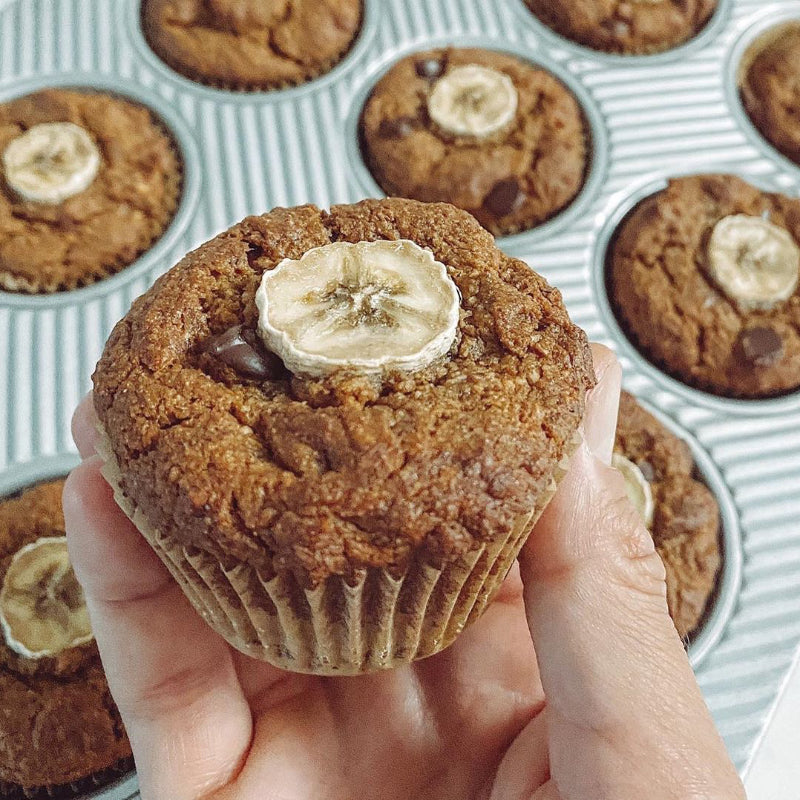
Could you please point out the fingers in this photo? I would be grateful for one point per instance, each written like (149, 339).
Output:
(172, 677)
(84, 427)
(625, 716)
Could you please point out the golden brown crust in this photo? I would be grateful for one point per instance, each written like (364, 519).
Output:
(251, 44)
(626, 26)
(686, 522)
(512, 181)
(48, 247)
(322, 477)
(676, 315)
(58, 723)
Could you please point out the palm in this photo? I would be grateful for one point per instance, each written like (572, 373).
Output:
(438, 729)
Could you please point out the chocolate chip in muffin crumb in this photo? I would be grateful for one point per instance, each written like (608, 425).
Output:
(505, 198)
(430, 68)
(761, 346)
(240, 349)
(397, 128)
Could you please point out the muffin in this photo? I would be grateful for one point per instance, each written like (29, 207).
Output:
(90, 181)
(769, 90)
(680, 511)
(625, 26)
(704, 278)
(60, 732)
(483, 130)
(251, 44)
(337, 429)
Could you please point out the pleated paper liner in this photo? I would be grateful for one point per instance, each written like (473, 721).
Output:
(379, 621)
(69, 791)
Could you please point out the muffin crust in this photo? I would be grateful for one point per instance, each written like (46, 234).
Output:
(48, 247)
(686, 522)
(511, 181)
(677, 316)
(325, 477)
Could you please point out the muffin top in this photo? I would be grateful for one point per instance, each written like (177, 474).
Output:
(223, 449)
(58, 723)
(704, 276)
(625, 26)
(483, 130)
(89, 181)
(683, 514)
(251, 44)
(770, 92)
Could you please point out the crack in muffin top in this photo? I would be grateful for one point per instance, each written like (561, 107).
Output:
(330, 475)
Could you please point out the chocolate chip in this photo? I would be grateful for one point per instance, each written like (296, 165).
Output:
(761, 346)
(239, 348)
(396, 128)
(254, 252)
(646, 468)
(429, 68)
(505, 198)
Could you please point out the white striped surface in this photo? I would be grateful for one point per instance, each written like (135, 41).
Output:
(255, 152)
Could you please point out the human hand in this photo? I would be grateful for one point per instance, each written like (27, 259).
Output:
(573, 685)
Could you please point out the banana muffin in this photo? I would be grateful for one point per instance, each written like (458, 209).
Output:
(680, 511)
(251, 44)
(60, 732)
(90, 181)
(625, 26)
(337, 429)
(704, 278)
(483, 130)
(769, 88)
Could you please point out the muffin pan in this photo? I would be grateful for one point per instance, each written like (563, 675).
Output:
(651, 117)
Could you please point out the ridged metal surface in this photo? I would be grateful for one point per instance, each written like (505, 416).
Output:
(661, 115)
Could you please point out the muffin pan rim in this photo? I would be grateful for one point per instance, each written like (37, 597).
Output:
(617, 209)
(131, 23)
(713, 28)
(189, 196)
(15, 479)
(362, 180)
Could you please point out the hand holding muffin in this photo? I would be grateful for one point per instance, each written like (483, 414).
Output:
(551, 694)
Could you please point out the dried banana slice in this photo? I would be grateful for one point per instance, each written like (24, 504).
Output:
(51, 162)
(756, 263)
(42, 609)
(637, 487)
(368, 307)
(473, 101)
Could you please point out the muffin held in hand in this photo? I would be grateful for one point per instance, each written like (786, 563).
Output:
(633, 27)
(89, 182)
(486, 131)
(680, 512)
(337, 429)
(769, 88)
(251, 44)
(704, 277)
(60, 733)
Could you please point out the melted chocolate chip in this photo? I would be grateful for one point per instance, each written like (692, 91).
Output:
(239, 348)
(505, 198)
(254, 252)
(397, 128)
(429, 68)
(761, 347)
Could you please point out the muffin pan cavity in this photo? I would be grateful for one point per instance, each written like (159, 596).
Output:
(365, 184)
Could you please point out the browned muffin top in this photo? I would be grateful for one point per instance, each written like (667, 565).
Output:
(324, 476)
(510, 180)
(251, 44)
(626, 26)
(664, 293)
(58, 723)
(686, 520)
(48, 247)
(770, 91)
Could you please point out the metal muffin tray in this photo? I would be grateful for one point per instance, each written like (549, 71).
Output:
(650, 117)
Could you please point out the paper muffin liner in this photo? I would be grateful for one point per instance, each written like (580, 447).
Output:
(69, 791)
(173, 188)
(375, 621)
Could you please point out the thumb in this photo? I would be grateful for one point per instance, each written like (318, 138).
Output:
(625, 715)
